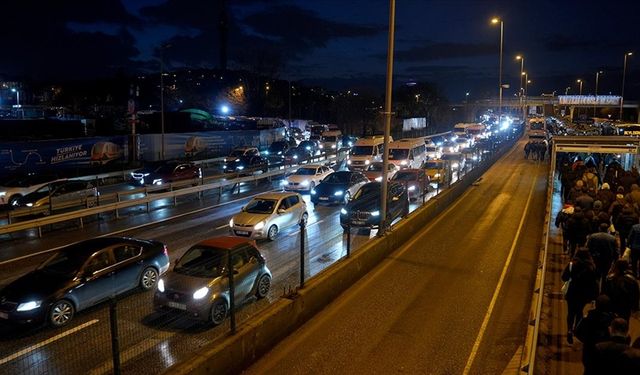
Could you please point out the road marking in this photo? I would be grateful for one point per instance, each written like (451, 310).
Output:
(160, 221)
(494, 299)
(28, 350)
(222, 226)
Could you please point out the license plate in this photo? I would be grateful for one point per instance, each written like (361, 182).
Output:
(358, 222)
(242, 233)
(324, 198)
(176, 305)
(4, 315)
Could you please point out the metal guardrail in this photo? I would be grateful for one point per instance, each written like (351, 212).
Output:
(119, 204)
(527, 361)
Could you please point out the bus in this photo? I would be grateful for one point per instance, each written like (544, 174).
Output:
(408, 152)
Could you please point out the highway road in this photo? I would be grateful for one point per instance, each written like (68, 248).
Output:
(454, 300)
(151, 341)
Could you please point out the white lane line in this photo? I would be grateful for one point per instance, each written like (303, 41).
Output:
(494, 299)
(46, 342)
(308, 225)
(222, 226)
(160, 221)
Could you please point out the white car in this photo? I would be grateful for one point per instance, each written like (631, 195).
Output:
(268, 214)
(17, 187)
(306, 177)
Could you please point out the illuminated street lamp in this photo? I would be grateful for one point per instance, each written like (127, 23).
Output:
(580, 82)
(496, 21)
(17, 96)
(521, 58)
(624, 72)
(596, 92)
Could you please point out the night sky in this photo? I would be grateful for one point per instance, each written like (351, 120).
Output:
(339, 44)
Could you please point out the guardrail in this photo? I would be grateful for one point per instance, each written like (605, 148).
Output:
(527, 361)
(96, 205)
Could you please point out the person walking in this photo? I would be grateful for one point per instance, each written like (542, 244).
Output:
(602, 248)
(527, 150)
(623, 224)
(633, 242)
(623, 290)
(593, 329)
(609, 354)
(561, 222)
(577, 230)
(606, 196)
(583, 288)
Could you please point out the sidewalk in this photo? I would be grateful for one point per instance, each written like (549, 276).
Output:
(555, 355)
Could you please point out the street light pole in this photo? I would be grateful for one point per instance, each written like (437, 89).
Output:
(162, 146)
(580, 82)
(521, 58)
(596, 92)
(495, 21)
(624, 72)
(387, 119)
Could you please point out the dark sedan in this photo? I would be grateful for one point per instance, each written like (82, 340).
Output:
(364, 209)
(80, 276)
(311, 146)
(167, 173)
(277, 148)
(338, 187)
(296, 155)
(245, 159)
(416, 182)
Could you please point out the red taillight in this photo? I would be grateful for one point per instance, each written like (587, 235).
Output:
(166, 251)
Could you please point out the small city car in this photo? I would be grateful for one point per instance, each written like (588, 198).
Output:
(198, 284)
(80, 276)
(415, 181)
(436, 170)
(277, 148)
(364, 209)
(297, 155)
(306, 177)
(268, 214)
(243, 159)
(60, 194)
(374, 171)
(338, 187)
(167, 173)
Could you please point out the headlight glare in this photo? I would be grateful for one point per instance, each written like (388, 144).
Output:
(28, 306)
(338, 193)
(161, 286)
(259, 226)
(201, 293)
(343, 211)
(375, 213)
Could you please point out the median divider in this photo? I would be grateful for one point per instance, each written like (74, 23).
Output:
(260, 334)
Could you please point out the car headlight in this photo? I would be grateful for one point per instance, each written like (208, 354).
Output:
(237, 160)
(279, 152)
(343, 211)
(375, 213)
(367, 162)
(321, 146)
(284, 182)
(379, 178)
(240, 167)
(201, 293)
(313, 191)
(412, 188)
(231, 223)
(3, 193)
(308, 148)
(224, 167)
(455, 165)
(295, 156)
(157, 181)
(28, 306)
(333, 146)
(259, 226)
(161, 286)
(404, 162)
(29, 204)
(348, 162)
(305, 183)
(338, 193)
(266, 152)
(436, 175)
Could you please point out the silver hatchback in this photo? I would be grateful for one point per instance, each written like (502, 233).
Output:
(268, 214)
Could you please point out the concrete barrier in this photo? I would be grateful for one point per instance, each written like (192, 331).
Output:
(257, 336)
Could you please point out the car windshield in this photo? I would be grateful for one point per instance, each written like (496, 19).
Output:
(367, 189)
(362, 150)
(398, 154)
(236, 153)
(201, 261)
(277, 145)
(432, 149)
(49, 187)
(338, 178)
(433, 165)
(162, 169)
(261, 206)
(375, 167)
(329, 138)
(62, 263)
(405, 176)
(306, 171)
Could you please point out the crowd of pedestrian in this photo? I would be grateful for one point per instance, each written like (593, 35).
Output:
(600, 229)
(537, 150)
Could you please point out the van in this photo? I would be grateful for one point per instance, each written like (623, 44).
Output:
(456, 160)
(366, 151)
(331, 141)
(408, 153)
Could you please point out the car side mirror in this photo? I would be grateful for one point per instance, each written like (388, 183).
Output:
(281, 210)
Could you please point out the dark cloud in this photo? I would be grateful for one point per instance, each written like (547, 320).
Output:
(430, 51)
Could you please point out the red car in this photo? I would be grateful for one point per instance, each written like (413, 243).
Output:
(167, 173)
(415, 180)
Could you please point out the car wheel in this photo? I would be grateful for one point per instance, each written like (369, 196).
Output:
(149, 278)
(218, 312)
(14, 198)
(264, 284)
(272, 233)
(304, 218)
(347, 197)
(61, 313)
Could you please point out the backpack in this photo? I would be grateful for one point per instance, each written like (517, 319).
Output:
(590, 180)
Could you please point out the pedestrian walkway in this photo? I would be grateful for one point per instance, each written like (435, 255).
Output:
(556, 355)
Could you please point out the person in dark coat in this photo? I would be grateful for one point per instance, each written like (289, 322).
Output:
(527, 150)
(577, 230)
(606, 196)
(584, 201)
(633, 242)
(609, 355)
(602, 248)
(615, 210)
(624, 223)
(623, 290)
(561, 222)
(583, 288)
(592, 329)
(632, 358)
(575, 191)
(626, 181)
